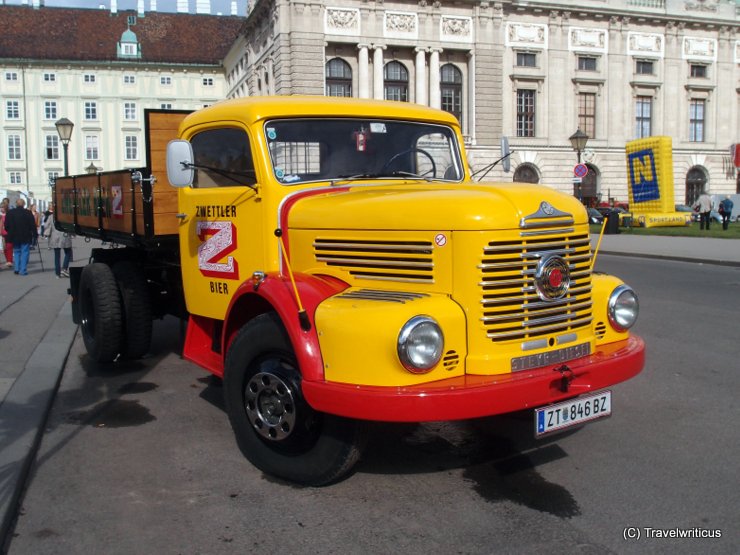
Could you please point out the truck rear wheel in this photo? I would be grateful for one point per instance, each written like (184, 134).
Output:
(100, 312)
(136, 309)
(275, 427)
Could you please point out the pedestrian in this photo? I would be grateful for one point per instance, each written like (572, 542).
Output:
(725, 209)
(22, 232)
(7, 245)
(36, 215)
(44, 224)
(704, 206)
(58, 240)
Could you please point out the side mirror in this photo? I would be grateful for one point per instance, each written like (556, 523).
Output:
(505, 154)
(180, 157)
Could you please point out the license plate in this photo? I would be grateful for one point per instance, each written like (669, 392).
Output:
(574, 412)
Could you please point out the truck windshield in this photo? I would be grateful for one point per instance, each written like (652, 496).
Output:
(306, 150)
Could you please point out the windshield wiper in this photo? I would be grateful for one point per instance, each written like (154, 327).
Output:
(228, 174)
(352, 177)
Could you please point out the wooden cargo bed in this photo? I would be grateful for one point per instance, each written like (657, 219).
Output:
(116, 207)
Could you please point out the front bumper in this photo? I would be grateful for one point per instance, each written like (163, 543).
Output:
(476, 396)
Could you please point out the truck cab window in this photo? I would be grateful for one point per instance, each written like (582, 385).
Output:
(222, 158)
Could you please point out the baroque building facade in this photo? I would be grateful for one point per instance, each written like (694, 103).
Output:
(101, 73)
(532, 71)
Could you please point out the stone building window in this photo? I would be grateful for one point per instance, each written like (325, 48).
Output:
(396, 82)
(696, 120)
(451, 90)
(338, 78)
(643, 117)
(587, 113)
(525, 104)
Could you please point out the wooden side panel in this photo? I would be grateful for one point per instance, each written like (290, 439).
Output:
(161, 128)
(111, 206)
(65, 202)
(97, 205)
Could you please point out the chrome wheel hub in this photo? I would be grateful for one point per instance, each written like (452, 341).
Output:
(270, 406)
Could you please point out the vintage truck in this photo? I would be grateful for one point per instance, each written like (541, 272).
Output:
(337, 264)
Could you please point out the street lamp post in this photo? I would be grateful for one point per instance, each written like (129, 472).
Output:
(64, 129)
(578, 141)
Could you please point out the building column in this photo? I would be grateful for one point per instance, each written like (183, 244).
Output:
(469, 122)
(421, 76)
(378, 81)
(364, 67)
(435, 95)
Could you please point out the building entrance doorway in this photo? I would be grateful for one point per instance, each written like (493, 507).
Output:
(696, 182)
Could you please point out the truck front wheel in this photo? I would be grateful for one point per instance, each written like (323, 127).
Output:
(100, 312)
(275, 428)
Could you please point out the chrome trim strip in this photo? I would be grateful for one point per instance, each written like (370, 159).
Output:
(566, 338)
(535, 344)
(551, 223)
(518, 333)
(561, 231)
(523, 314)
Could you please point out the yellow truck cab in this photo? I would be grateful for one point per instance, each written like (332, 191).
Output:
(337, 264)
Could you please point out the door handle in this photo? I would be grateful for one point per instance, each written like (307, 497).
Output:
(181, 216)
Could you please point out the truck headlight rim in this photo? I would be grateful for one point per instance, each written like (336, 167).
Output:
(624, 308)
(420, 344)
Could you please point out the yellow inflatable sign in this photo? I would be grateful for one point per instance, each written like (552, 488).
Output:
(650, 176)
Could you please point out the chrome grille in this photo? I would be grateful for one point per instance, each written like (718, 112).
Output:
(511, 309)
(407, 261)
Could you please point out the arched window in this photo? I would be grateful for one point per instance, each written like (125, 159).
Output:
(338, 78)
(396, 78)
(451, 90)
(696, 182)
(526, 173)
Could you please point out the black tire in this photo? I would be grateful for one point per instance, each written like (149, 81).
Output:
(275, 427)
(100, 312)
(136, 309)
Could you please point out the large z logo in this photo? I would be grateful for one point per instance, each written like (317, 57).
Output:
(218, 241)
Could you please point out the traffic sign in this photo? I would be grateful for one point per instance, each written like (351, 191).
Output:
(576, 180)
(580, 170)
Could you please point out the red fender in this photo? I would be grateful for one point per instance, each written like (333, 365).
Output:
(275, 292)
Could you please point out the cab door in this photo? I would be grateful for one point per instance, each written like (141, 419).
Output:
(220, 220)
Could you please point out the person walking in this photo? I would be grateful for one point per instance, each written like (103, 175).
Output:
(7, 245)
(726, 207)
(58, 240)
(704, 206)
(22, 232)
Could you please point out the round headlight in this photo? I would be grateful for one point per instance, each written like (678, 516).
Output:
(420, 344)
(623, 308)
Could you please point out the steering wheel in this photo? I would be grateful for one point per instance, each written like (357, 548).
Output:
(409, 151)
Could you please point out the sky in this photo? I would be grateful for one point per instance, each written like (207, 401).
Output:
(223, 6)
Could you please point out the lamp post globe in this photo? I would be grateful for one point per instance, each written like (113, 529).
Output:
(64, 129)
(578, 141)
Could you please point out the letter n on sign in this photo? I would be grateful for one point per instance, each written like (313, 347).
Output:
(643, 175)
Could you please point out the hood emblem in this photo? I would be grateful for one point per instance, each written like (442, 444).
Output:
(552, 278)
(548, 213)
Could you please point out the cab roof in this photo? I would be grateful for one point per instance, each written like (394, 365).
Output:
(250, 110)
